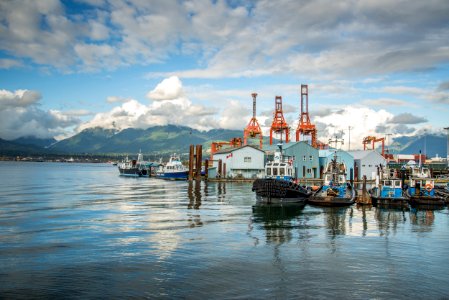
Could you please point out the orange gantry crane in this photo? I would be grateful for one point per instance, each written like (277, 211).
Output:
(253, 128)
(279, 125)
(305, 127)
(216, 146)
(372, 140)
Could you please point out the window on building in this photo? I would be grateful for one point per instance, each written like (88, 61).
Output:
(304, 158)
(310, 157)
(363, 165)
(370, 166)
(247, 159)
(309, 171)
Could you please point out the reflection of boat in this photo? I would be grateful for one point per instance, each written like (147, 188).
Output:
(273, 213)
(335, 191)
(174, 169)
(134, 168)
(388, 190)
(278, 185)
(421, 189)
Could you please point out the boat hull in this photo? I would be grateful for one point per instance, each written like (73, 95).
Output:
(134, 172)
(173, 175)
(271, 190)
(387, 201)
(321, 198)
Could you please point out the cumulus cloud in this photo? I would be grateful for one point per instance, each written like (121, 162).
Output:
(19, 98)
(407, 118)
(168, 89)
(21, 116)
(171, 106)
(325, 38)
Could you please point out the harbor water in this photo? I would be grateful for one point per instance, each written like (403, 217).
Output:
(78, 231)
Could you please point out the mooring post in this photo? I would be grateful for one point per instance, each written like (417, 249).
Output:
(206, 169)
(191, 159)
(199, 149)
(224, 170)
(220, 162)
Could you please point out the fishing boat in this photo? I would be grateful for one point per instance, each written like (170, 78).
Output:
(388, 190)
(278, 186)
(421, 188)
(134, 168)
(335, 191)
(174, 169)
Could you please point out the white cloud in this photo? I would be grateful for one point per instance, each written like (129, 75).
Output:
(168, 89)
(20, 116)
(19, 98)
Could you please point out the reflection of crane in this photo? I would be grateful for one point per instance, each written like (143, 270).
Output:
(372, 140)
(216, 146)
(253, 128)
(305, 127)
(279, 125)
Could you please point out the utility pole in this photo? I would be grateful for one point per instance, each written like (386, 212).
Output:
(447, 149)
(336, 141)
(349, 142)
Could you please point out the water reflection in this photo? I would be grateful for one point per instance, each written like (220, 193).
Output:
(277, 220)
(194, 194)
(389, 219)
(335, 220)
(424, 218)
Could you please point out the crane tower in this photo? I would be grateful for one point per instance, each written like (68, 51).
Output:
(305, 127)
(253, 128)
(279, 125)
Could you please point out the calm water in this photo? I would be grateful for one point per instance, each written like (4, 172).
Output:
(81, 231)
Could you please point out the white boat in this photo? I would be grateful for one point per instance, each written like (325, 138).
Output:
(174, 169)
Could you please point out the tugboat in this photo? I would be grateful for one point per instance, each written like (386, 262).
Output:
(388, 190)
(421, 189)
(335, 191)
(134, 168)
(278, 185)
(174, 169)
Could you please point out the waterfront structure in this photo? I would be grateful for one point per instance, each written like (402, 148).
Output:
(244, 162)
(327, 155)
(366, 163)
(305, 159)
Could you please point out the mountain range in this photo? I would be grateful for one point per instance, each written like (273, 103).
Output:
(167, 139)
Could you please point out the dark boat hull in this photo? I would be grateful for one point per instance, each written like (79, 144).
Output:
(279, 191)
(134, 172)
(320, 198)
(425, 200)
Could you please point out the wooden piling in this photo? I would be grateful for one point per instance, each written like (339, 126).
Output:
(224, 170)
(191, 161)
(220, 168)
(199, 157)
(364, 198)
(206, 169)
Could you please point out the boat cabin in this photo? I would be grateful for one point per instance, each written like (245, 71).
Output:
(280, 168)
(422, 186)
(391, 188)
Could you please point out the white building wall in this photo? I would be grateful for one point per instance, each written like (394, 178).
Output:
(368, 165)
(244, 162)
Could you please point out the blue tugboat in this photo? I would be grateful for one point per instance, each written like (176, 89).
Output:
(278, 185)
(174, 170)
(388, 190)
(421, 189)
(335, 191)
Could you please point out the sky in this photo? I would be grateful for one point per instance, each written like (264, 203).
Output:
(373, 67)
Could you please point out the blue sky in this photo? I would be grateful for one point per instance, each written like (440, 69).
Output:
(380, 67)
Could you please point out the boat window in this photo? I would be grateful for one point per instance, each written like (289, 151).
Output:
(276, 164)
(282, 171)
(387, 183)
(275, 171)
(397, 183)
(269, 171)
(290, 172)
